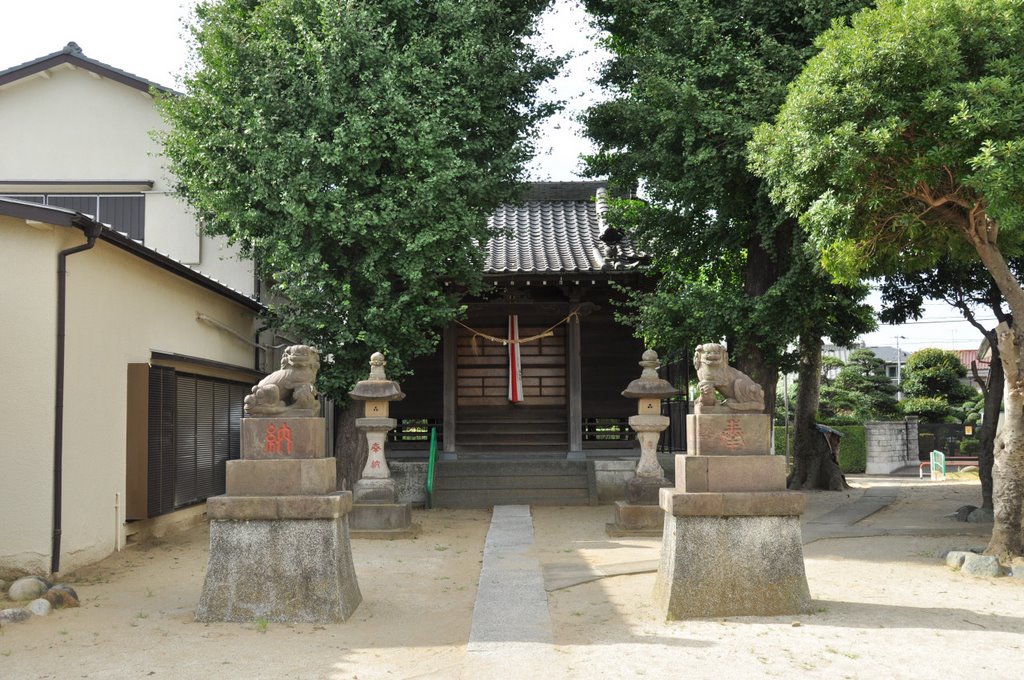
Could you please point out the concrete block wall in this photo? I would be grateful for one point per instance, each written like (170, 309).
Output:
(891, 445)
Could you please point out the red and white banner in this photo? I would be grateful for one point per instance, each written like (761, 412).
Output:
(515, 369)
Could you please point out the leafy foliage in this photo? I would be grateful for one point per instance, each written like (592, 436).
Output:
(354, 150)
(689, 81)
(904, 134)
(853, 454)
(936, 373)
(928, 409)
(864, 376)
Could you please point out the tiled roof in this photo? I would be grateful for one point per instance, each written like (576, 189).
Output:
(72, 54)
(889, 354)
(557, 229)
(969, 355)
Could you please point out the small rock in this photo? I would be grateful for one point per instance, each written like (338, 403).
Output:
(955, 558)
(60, 597)
(981, 565)
(796, 624)
(38, 607)
(1017, 571)
(14, 615)
(981, 516)
(66, 588)
(28, 588)
(964, 511)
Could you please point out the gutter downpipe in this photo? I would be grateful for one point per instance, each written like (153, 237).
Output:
(92, 231)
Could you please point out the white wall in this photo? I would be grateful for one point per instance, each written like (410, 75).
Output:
(74, 125)
(120, 309)
(28, 321)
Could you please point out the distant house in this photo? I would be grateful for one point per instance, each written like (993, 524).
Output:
(975, 359)
(894, 360)
(123, 386)
(124, 398)
(78, 134)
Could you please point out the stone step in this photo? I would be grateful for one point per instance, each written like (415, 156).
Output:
(483, 483)
(487, 498)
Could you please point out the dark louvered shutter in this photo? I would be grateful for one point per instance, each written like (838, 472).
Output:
(126, 214)
(205, 416)
(238, 395)
(221, 434)
(160, 444)
(185, 465)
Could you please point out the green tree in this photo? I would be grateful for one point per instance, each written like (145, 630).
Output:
(901, 143)
(928, 409)
(354, 151)
(861, 390)
(689, 80)
(969, 287)
(936, 373)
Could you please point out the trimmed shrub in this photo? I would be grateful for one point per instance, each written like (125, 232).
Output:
(853, 452)
(970, 446)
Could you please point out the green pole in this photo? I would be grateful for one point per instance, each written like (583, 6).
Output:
(430, 467)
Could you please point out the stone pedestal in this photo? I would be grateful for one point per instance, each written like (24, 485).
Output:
(279, 537)
(731, 565)
(292, 565)
(632, 519)
(731, 543)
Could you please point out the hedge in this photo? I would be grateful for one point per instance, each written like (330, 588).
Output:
(853, 451)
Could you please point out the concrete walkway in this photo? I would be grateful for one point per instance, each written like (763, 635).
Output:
(510, 635)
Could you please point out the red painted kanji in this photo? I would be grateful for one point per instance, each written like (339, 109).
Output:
(375, 447)
(278, 437)
(732, 436)
(375, 464)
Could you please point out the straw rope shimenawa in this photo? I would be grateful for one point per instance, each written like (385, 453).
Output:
(547, 333)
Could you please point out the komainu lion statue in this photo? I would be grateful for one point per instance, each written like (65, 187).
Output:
(288, 391)
(742, 394)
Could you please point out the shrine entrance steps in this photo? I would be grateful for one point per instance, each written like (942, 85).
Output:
(488, 482)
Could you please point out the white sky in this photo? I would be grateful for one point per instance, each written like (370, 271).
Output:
(147, 39)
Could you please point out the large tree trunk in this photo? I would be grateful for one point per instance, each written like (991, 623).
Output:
(350, 447)
(1008, 464)
(1008, 456)
(993, 389)
(762, 270)
(751, 361)
(815, 460)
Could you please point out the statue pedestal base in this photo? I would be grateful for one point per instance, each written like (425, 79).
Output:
(731, 554)
(636, 520)
(376, 512)
(382, 520)
(375, 490)
(639, 514)
(262, 568)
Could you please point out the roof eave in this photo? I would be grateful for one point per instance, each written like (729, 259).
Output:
(75, 59)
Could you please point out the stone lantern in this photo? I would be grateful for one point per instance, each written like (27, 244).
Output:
(640, 513)
(375, 496)
(648, 424)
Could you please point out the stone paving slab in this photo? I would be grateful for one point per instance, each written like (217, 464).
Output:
(510, 635)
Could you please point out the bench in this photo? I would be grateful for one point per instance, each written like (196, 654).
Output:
(959, 462)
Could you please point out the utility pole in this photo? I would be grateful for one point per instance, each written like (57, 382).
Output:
(899, 369)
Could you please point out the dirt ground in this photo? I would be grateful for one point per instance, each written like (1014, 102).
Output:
(885, 607)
